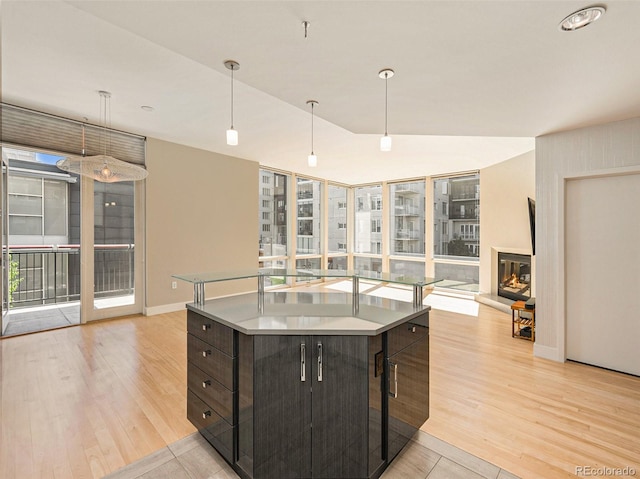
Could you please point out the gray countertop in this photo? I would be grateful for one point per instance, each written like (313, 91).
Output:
(310, 313)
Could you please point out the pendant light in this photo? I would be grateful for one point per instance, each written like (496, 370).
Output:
(103, 168)
(312, 159)
(385, 141)
(232, 134)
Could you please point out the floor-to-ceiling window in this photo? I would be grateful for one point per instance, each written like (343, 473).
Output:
(338, 227)
(375, 228)
(407, 228)
(308, 223)
(456, 231)
(273, 224)
(368, 228)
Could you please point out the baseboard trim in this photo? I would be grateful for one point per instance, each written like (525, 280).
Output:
(164, 308)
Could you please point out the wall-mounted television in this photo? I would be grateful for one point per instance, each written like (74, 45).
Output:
(532, 223)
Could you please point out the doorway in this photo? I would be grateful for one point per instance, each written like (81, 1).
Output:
(69, 251)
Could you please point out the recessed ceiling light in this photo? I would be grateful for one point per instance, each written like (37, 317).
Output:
(581, 18)
(147, 108)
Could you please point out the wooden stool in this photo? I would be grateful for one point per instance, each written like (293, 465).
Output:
(518, 322)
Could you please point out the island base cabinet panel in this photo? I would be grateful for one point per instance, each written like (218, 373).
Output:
(408, 394)
(376, 451)
(339, 405)
(281, 409)
(245, 404)
(307, 416)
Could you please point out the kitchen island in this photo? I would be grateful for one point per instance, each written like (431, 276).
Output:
(293, 384)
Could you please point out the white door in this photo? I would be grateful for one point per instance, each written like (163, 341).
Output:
(602, 261)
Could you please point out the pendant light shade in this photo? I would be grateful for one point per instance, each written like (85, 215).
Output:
(312, 159)
(232, 137)
(232, 134)
(385, 141)
(103, 168)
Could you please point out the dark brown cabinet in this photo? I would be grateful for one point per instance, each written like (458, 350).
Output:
(210, 380)
(307, 406)
(408, 393)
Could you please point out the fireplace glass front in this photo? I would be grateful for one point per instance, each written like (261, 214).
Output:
(514, 276)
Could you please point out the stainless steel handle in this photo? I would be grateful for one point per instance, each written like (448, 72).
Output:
(206, 353)
(319, 362)
(303, 366)
(206, 383)
(206, 414)
(394, 394)
(206, 326)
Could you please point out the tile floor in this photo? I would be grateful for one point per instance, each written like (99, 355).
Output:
(424, 457)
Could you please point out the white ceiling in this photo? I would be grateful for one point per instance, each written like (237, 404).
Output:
(475, 81)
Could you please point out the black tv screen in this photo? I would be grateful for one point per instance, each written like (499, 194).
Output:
(532, 223)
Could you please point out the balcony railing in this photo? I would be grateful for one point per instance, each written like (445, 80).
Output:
(406, 210)
(407, 234)
(51, 274)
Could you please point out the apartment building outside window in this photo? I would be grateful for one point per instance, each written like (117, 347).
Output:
(272, 215)
(337, 228)
(309, 217)
(406, 218)
(368, 211)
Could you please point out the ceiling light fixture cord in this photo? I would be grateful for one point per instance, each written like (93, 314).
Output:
(312, 128)
(232, 134)
(386, 94)
(232, 68)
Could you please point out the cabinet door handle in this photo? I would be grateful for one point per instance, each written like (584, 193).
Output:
(303, 366)
(319, 361)
(206, 353)
(206, 414)
(206, 326)
(394, 393)
(206, 383)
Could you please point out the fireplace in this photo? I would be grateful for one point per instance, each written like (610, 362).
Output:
(514, 276)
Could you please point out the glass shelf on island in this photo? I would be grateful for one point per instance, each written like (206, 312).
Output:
(200, 279)
(396, 278)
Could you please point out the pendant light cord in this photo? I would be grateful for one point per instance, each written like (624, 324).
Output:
(386, 102)
(312, 128)
(232, 68)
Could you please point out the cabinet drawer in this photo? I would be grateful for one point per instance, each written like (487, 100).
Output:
(406, 334)
(211, 360)
(217, 335)
(211, 391)
(214, 429)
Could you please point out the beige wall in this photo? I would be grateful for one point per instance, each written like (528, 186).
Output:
(201, 215)
(609, 149)
(504, 216)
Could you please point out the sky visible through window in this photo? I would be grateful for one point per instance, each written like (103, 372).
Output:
(48, 159)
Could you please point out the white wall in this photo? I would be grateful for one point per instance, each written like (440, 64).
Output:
(201, 215)
(504, 214)
(613, 148)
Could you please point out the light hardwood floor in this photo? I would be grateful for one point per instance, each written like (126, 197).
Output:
(83, 401)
